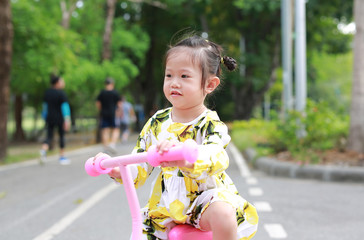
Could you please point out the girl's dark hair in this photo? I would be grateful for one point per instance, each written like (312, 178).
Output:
(208, 54)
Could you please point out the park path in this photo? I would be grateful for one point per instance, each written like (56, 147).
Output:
(52, 201)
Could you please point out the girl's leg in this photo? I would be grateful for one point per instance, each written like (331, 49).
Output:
(220, 218)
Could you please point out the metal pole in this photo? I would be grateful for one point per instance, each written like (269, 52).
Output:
(242, 47)
(300, 53)
(286, 23)
(300, 57)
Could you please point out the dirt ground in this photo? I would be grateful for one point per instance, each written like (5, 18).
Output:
(329, 157)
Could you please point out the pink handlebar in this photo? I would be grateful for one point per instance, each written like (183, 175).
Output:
(102, 165)
(186, 151)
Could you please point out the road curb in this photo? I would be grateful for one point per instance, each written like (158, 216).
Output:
(274, 167)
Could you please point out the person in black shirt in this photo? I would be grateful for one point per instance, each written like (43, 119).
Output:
(107, 102)
(57, 114)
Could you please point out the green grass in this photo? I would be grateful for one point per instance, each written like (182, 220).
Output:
(254, 135)
(20, 157)
(30, 125)
(19, 152)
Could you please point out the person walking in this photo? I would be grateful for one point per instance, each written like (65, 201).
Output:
(125, 116)
(107, 102)
(57, 114)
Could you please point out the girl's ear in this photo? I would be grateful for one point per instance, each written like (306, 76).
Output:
(212, 84)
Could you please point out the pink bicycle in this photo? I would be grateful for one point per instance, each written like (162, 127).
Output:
(187, 151)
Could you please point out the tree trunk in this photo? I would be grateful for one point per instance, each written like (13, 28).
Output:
(356, 132)
(246, 98)
(66, 13)
(244, 102)
(19, 132)
(106, 47)
(149, 88)
(6, 39)
(106, 53)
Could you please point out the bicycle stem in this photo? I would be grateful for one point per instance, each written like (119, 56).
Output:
(133, 202)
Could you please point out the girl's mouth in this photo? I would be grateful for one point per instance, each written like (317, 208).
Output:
(176, 93)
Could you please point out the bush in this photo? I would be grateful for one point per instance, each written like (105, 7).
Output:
(320, 129)
(254, 133)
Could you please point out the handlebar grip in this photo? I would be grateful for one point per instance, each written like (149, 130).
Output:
(187, 151)
(94, 169)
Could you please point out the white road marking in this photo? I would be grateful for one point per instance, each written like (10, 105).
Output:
(243, 167)
(45, 207)
(262, 206)
(275, 231)
(59, 226)
(255, 191)
(251, 180)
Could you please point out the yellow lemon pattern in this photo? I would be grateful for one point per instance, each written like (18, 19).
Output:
(181, 195)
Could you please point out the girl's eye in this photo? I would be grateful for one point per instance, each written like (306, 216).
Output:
(168, 75)
(184, 76)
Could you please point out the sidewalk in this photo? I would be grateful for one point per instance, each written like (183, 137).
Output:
(274, 167)
(77, 145)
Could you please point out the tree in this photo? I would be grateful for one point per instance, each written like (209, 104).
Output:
(356, 132)
(6, 38)
(32, 62)
(258, 24)
(165, 21)
(42, 45)
(252, 34)
(141, 32)
(106, 52)
(66, 12)
(248, 19)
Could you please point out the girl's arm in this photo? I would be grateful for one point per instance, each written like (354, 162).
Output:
(212, 157)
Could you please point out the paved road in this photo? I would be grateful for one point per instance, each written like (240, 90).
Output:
(302, 209)
(64, 203)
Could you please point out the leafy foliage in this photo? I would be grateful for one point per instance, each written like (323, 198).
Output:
(42, 47)
(141, 33)
(324, 130)
(332, 80)
(32, 61)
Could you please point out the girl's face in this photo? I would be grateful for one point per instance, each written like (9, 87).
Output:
(182, 81)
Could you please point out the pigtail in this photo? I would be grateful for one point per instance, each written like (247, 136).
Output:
(229, 62)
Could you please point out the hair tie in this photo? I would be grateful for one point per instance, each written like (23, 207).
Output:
(222, 60)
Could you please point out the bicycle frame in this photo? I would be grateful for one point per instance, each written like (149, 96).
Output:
(103, 165)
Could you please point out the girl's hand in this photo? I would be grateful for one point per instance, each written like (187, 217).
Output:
(115, 172)
(163, 147)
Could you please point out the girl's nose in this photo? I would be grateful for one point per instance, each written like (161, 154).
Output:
(175, 83)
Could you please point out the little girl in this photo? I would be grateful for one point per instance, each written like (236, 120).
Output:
(199, 194)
